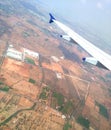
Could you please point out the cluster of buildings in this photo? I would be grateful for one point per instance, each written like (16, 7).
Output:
(15, 54)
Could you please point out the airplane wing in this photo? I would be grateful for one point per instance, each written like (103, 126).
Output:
(99, 57)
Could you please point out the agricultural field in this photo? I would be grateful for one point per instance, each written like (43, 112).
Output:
(54, 91)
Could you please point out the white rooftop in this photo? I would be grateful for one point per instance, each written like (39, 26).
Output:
(14, 54)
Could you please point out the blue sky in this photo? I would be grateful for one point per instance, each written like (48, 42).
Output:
(95, 14)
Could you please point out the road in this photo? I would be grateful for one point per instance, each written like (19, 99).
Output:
(79, 79)
(3, 56)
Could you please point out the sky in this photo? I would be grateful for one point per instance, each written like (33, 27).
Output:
(94, 14)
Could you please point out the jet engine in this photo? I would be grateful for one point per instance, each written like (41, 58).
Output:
(93, 61)
(66, 37)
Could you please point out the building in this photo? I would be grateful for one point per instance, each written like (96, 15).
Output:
(55, 58)
(59, 75)
(14, 54)
(31, 53)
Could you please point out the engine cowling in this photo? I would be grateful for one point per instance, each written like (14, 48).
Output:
(66, 37)
(90, 60)
(93, 61)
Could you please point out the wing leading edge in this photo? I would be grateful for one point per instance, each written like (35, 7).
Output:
(94, 51)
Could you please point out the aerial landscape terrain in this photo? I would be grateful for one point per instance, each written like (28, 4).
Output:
(44, 85)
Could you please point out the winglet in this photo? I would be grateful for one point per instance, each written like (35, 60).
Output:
(51, 18)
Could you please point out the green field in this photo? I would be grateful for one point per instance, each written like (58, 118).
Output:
(1, 83)
(83, 121)
(44, 93)
(32, 81)
(102, 110)
(43, 96)
(66, 107)
(5, 89)
(67, 126)
(59, 97)
(29, 60)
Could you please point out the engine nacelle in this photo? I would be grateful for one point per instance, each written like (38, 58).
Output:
(66, 37)
(90, 60)
(93, 61)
